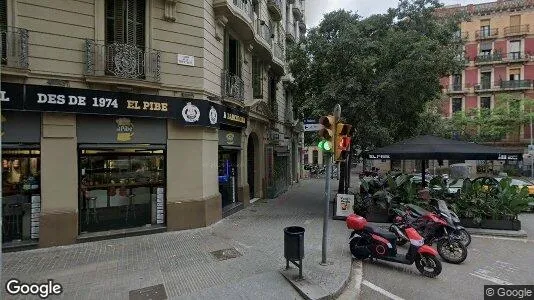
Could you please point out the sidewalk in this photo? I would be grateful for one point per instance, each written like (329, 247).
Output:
(182, 261)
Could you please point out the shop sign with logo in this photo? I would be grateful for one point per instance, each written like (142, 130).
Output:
(229, 138)
(344, 205)
(125, 130)
(233, 117)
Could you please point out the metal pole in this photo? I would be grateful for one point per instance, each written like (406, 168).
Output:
(327, 205)
(531, 158)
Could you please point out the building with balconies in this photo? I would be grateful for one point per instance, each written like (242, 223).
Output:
(499, 51)
(141, 116)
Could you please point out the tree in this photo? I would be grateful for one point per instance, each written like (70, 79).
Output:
(490, 125)
(383, 70)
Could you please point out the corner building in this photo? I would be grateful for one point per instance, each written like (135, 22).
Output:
(135, 116)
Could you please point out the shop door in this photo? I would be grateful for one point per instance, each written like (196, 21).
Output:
(228, 177)
(250, 166)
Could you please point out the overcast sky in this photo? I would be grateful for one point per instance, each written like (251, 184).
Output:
(316, 8)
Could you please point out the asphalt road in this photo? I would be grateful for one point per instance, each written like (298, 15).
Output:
(490, 261)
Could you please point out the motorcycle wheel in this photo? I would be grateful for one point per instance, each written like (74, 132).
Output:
(464, 236)
(428, 265)
(447, 250)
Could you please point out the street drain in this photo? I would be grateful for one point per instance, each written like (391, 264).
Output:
(225, 254)
(155, 292)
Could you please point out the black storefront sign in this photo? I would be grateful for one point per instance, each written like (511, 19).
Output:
(233, 117)
(188, 112)
(11, 96)
(21, 127)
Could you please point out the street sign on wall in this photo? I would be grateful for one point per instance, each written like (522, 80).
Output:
(312, 127)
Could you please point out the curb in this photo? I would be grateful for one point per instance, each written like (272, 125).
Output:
(480, 231)
(312, 291)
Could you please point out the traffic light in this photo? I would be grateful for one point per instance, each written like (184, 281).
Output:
(327, 133)
(342, 139)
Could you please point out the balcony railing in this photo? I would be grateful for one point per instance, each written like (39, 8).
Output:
(232, 86)
(516, 56)
(265, 32)
(279, 51)
(455, 88)
(290, 32)
(483, 86)
(485, 58)
(302, 26)
(297, 10)
(463, 35)
(15, 47)
(486, 34)
(246, 7)
(516, 84)
(275, 8)
(516, 30)
(122, 60)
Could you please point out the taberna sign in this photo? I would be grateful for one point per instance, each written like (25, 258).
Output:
(379, 156)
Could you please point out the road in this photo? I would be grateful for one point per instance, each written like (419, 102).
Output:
(490, 261)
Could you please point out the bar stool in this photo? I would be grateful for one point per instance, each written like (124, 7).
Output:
(90, 211)
(131, 207)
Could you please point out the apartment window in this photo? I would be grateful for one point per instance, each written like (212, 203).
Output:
(125, 22)
(232, 55)
(485, 80)
(315, 157)
(485, 105)
(457, 82)
(485, 48)
(515, 50)
(257, 78)
(515, 74)
(456, 105)
(485, 28)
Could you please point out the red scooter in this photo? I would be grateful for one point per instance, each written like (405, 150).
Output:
(368, 241)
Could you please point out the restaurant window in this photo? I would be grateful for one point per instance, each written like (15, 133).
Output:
(257, 78)
(121, 188)
(125, 22)
(21, 172)
(456, 105)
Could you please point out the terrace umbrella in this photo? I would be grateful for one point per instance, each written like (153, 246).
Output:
(426, 147)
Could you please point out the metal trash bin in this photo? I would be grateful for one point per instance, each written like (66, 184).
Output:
(294, 246)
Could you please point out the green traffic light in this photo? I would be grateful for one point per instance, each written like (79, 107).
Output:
(325, 145)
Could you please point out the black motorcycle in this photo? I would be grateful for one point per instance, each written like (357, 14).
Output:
(441, 208)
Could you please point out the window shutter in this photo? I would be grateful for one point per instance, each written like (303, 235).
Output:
(515, 20)
(226, 50)
(140, 26)
(3, 13)
(239, 59)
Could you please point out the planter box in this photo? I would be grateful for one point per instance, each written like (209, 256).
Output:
(493, 224)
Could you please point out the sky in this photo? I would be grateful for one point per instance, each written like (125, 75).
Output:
(316, 8)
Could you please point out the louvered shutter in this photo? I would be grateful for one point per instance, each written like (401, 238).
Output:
(239, 59)
(140, 24)
(114, 21)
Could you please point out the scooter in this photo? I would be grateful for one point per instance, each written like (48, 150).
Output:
(368, 241)
(434, 228)
(441, 208)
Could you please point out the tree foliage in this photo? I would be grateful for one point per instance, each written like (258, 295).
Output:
(490, 125)
(383, 70)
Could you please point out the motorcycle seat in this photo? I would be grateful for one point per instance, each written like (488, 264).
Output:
(391, 237)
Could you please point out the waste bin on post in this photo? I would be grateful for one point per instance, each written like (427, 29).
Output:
(294, 246)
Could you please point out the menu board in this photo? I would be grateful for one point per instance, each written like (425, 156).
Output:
(36, 210)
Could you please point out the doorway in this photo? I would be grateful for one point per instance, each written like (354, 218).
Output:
(250, 165)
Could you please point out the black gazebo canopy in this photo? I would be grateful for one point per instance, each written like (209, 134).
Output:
(426, 147)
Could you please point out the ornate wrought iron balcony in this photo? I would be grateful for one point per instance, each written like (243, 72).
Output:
(279, 51)
(275, 8)
(246, 7)
(15, 47)
(265, 32)
(488, 58)
(516, 30)
(297, 10)
(486, 34)
(122, 60)
(290, 32)
(232, 86)
(516, 84)
(455, 88)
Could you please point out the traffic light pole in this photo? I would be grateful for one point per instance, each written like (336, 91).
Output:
(327, 204)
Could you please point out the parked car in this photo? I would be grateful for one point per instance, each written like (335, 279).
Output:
(493, 181)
